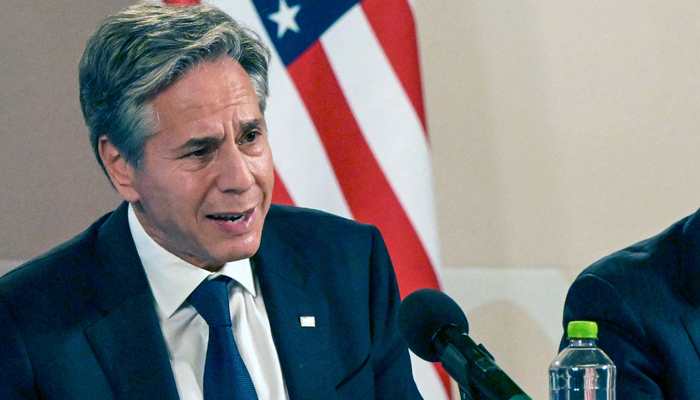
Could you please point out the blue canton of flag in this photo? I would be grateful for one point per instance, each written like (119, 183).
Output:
(311, 17)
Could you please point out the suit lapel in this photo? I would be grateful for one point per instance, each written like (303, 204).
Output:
(691, 321)
(291, 291)
(127, 341)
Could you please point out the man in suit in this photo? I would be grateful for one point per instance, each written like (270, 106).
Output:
(646, 301)
(174, 100)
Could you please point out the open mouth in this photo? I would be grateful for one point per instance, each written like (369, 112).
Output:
(233, 218)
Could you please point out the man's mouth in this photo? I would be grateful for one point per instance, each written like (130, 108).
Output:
(233, 218)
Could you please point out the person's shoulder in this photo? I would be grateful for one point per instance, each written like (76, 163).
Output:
(656, 256)
(292, 216)
(54, 288)
(302, 226)
(286, 211)
(56, 265)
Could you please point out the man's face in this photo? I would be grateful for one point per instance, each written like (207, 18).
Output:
(206, 182)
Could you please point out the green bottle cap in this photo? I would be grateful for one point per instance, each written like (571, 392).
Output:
(582, 330)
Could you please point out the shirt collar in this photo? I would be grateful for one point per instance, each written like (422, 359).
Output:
(173, 279)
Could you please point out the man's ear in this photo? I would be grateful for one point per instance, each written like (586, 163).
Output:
(120, 172)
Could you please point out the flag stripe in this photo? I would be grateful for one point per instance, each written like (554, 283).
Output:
(181, 2)
(370, 200)
(432, 380)
(386, 118)
(300, 160)
(392, 22)
(280, 195)
(299, 156)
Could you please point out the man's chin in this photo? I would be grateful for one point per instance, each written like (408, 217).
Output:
(239, 254)
(216, 254)
(215, 261)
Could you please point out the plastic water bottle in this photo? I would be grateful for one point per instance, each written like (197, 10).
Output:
(582, 371)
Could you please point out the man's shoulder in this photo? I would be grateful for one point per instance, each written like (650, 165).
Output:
(56, 265)
(286, 211)
(658, 257)
(291, 217)
(318, 230)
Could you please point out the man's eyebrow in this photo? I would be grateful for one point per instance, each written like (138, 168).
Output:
(212, 140)
(200, 142)
(252, 124)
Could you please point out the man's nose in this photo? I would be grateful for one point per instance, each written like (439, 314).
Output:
(234, 170)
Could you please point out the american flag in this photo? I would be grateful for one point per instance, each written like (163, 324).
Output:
(347, 126)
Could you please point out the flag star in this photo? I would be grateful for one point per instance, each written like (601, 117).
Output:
(285, 18)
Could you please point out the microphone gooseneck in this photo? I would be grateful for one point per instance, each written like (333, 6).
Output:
(436, 329)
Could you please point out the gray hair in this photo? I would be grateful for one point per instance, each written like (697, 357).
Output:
(137, 53)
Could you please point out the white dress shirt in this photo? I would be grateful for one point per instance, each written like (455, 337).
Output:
(186, 333)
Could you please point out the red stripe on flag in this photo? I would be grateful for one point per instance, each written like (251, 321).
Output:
(362, 181)
(393, 24)
(181, 2)
(280, 194)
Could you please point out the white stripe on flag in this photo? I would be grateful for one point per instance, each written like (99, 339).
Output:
(427, 379)
(387, 119)
(412, 4)
(299, 155)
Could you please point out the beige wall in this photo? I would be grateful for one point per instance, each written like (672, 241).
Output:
(561, 131)
(50, 185)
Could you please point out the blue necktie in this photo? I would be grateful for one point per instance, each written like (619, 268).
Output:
(225, 374)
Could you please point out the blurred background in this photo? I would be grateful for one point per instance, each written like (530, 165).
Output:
(560, 132)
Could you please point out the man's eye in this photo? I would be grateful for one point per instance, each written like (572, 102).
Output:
(200, 153)
(249, 137)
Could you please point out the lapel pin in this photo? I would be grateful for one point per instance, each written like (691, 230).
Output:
(307, 321)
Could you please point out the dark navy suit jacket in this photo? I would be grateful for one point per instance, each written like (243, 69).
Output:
(79, 322)
(646, 300)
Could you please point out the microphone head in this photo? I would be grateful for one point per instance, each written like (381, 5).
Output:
(422, 314)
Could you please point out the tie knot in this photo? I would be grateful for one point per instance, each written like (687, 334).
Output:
(210, 299)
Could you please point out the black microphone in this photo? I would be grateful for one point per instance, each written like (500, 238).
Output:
(436, 329)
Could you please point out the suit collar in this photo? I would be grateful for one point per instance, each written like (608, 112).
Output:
(127, 341)
(279, 254)
(120, 274)
(689, 273)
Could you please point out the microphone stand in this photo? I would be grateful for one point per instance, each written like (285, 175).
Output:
(463, 395)
(461, 357)
(471, 393)
(456, 365)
